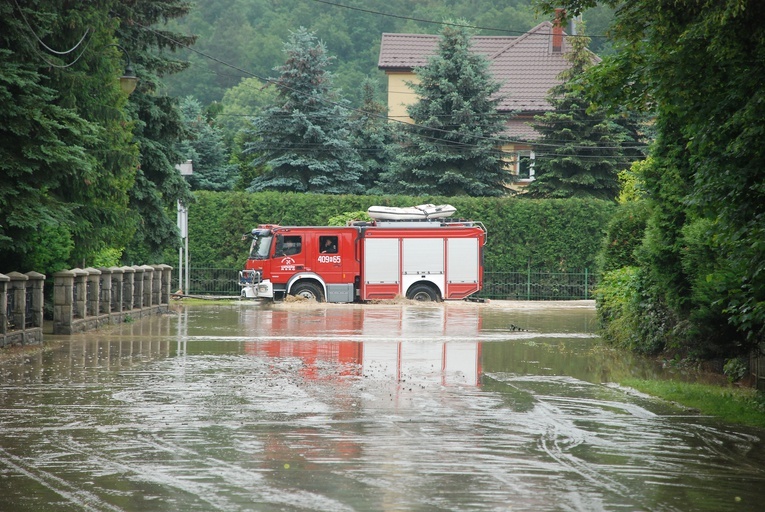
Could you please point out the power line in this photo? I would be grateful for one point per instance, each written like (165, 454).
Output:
(66, 52)
(442, 23)
(555, 143)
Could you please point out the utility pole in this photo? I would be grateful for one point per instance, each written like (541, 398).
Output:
(186, 169)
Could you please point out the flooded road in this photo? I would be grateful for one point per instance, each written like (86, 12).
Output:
(299, 407)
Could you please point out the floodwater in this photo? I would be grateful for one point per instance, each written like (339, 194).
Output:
(306, 407)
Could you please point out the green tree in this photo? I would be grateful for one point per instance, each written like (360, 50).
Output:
(66, 153)
(581, 149)
(305, 139)
(203, 145)
(158, 127)
(240, 105)
(451, 147)
(696, 65)
(371, 135)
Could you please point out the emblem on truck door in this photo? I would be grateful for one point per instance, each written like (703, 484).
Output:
(287, 263)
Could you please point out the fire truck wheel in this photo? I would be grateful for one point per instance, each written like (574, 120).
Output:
(422, 292)
(308, 291)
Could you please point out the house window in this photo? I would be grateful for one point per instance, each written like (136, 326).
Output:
(526, 165)
(522, 165)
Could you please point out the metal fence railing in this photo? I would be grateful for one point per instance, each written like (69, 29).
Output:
(523, 285)
(538, 285)
(211, 281)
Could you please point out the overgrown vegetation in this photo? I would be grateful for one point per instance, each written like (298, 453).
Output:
(745, 406)
(698, 288)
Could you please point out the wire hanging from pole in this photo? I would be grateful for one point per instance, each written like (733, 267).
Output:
(67, 52)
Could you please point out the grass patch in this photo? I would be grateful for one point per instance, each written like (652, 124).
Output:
(745, 406)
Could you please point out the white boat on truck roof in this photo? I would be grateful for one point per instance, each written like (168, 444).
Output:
(419, 212)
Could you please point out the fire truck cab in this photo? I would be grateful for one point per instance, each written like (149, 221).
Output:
(429, 260)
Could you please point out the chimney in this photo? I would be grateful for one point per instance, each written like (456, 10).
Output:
(557, 31)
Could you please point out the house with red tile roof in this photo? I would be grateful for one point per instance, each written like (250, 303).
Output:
(526, 66)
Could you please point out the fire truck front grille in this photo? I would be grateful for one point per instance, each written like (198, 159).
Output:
(248, 277)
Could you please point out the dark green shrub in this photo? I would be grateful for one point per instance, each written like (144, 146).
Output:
(624, 234)
(627, 316)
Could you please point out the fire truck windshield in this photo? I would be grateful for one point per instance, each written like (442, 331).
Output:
(261, 246)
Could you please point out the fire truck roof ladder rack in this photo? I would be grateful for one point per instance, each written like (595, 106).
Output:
(425, 223)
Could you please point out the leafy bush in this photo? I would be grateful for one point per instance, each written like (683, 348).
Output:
(52, 253)
(615, 293)
(736, 369)
(108, 257)
(627, 317)
(624, 234)
(344, 218)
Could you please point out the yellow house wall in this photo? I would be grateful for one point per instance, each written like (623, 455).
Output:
(400, 95)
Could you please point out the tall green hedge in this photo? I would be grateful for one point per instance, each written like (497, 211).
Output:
(544, 234)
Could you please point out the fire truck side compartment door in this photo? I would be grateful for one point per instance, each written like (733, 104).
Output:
(462, 260)
(423, 262)
(423, 256)
(381, 260)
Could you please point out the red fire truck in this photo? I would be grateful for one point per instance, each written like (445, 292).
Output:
(428, 260)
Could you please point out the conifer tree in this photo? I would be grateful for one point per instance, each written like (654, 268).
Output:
(304, 140)
(581, 150)
(158, 128)
(67, 158)
(451, 147)
(203, 145)
(371, 136)
(83, 164)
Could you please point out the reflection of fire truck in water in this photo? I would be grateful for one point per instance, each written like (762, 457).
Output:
(437, 345)
(428, 260)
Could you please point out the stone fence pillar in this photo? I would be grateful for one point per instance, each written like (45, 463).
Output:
(115, 305)
(35, 288)
(63, 302)
(93, 286)
(80, 290)
(128, 282)
(105, 285)
(4, 280)
(148, 285)
(17, 294)
(156, 285)
(167, 278)
(138, 287)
